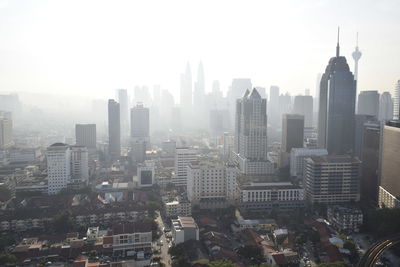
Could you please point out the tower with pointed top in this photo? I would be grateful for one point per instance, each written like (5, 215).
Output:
(356, 56)
(337, 100)
(250, 150)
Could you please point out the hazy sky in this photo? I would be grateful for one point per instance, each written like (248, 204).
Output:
(93, 47)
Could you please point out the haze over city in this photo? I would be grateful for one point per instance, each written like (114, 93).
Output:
(88, 47)
(199, 133)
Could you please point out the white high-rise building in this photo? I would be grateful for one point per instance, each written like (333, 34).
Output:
(297, 156)
(58, 167)
(79, 164)
(66, 165)
(250, 148)
(183, 156)
(211, 184)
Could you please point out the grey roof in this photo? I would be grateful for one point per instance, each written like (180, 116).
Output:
(254, 94)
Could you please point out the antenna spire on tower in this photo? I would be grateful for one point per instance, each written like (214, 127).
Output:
(337, 46)
(357, 40)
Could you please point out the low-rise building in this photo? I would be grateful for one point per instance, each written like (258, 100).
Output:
(261, 224)
(180, 206)
(267, 196)
(345, 219)
(184, 229)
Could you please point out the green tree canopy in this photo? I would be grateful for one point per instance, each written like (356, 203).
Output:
(7, 258)
(223, 263)
(333, 264)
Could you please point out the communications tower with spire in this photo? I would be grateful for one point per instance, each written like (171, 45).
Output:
(356, 56)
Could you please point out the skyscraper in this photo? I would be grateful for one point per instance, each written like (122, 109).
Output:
(385, 107)
(292, 132)
(122, 99)
(273, 106)
(396, 101)
(199, 88)
(370, 163)
(6, 132)
(79, 164)
(250, 149)
(236, 91)
(140, 132)
(85, 135)
(359, 121)
(368, 103)
(58, 167)
(186, 95)
(389, 189)
(183, 156)
(337, 107)
(114, 129)
(303, 105)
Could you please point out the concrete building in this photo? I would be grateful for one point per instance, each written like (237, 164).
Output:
(261, 197)
(58, 167)
(370, 163)
(85, 135)
(359, 121)
(303, 105)
(250, 147)
(211, 184)
(184, 229)
(180, 206)
(235, 92)
(345, 219)
(389, 189)
(292, 132)
(273, 106)
(140, 132)
(168, 147)
(114, 129)
(337, 100)
(6, 132)
(183, 156)
(145, 173)
(385, 107)
(332, 179)
(297, 157)
(24, 155)
(368, 103)
(126, 238)
(79, 164)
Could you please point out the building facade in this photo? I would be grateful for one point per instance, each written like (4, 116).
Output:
(368, 103)
(211, 184)
(263, 197)
(184, 229)
(332, 179)
(114, 129)
(58, 167)
(389, 189)
(297, 156)
(85, 135)
(345, 219)
(183, 156)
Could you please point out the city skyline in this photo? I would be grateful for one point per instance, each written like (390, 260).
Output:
(110, 57)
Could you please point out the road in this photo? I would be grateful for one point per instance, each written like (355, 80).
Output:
(165, 257)
(376, 250)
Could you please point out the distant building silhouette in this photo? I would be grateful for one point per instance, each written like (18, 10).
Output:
(122, 99)
(303, 105)
(368, 103)
(114, 129)
(385, 107)
(85, 135)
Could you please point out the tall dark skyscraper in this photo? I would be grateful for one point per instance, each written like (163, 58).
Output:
(370, 163)
(359, 121)
(114, 129)
(292, 131)
(368, 103)
(337, 107)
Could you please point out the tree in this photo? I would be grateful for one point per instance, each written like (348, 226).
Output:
(7, 259)
(181, 262)
(176, 250)
(252, 253)
(333, 264)
(354, 256)
(5, 241)
(223, 263)
(62, 222)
